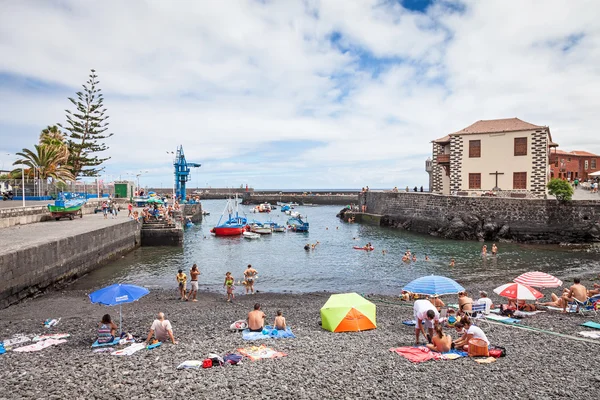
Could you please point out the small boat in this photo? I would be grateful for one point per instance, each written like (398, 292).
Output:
(66, 207)
(258, 227)
(204, 212)
(264, 207)
(297, 225)
(285, 208)
(364, 248)
(250, 235)
(295, 214)
(275, 227)
(234, 225)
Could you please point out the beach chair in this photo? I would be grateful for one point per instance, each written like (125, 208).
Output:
(477, 314)
(586, 306)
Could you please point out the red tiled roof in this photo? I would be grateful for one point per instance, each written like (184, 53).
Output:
(498, 125)
(579, 153)
(445, 139)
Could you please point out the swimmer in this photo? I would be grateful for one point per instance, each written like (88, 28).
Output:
(414, 258)
(484, 251)
(452, 262)
(307, 246)
(494, 249)
(427, 258)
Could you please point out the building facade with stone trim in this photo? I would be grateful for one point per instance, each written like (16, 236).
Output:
(506, 157)
(571, 165)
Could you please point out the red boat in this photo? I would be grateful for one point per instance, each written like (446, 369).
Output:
(234, 226)
(227, 231)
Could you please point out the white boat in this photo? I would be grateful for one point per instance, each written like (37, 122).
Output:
(295, 214)
(263, 230)
(250, 235)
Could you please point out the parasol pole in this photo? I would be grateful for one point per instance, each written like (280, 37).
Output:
(120, 320)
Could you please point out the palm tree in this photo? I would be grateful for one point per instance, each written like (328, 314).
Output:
(46, 160)
(52, 136)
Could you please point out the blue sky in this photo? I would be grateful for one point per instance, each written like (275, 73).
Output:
(313, 94)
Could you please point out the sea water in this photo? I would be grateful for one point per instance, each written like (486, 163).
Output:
(284, 266)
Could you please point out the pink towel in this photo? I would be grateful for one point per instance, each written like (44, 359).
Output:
(40, 345)
(417, 354)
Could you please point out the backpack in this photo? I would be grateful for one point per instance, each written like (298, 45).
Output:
(497, 351)
(233, 359)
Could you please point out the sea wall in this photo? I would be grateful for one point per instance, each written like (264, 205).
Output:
(487, 218)
(19, 215)
(29, 270)
(321, 199)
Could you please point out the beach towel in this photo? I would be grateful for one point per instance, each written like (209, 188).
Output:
(527, 313)
(41, 345)
(127, 351)
(593, 335)
(113, 343)
(417, 354)
(190, 364)
(591, 324)
(39, 338)
(268, 333)
(2, 349)
(454, 354)
(153, 345)
(503, 319)
(259, 352)
(102, 350)
(15, 340)
(569, 309)
(485, 360)
(238, 325)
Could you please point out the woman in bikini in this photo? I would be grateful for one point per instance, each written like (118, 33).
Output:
(229, 285)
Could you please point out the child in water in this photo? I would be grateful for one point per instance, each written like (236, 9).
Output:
(182, 281)
(229, 285)
(279, 322)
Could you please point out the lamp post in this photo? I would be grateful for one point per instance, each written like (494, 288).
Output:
(23, 183)
(138, 179)
(173, 162)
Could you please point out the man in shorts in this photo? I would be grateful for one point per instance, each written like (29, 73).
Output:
(194, 273)
(249, 277)
(427, 316)
(256, 319)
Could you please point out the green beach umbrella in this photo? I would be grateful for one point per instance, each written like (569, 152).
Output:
(348, 312)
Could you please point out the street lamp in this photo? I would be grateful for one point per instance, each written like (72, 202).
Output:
(138, 178)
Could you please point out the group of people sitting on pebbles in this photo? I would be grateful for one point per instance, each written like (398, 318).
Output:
(431, 324)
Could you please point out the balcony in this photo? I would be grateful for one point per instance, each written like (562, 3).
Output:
(443, 159)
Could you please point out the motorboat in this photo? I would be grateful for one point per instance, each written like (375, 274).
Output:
(259, 227)
(250, 235)
(275, 227)
(296, 224)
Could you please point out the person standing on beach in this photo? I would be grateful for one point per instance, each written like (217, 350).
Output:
(194, 273)
(427, 316)
(228, 284)
(249, 277)
(182, 281)
(494, 249)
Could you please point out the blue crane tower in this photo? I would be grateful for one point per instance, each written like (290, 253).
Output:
(182, 172)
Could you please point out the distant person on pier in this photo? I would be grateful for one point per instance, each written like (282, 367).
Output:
(249, 277)
(415, 189)
(407, 189)
(105, 209)
(395, 190)
(130, 210)
(421, 189)
(161, 329)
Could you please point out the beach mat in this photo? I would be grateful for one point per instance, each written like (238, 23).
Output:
(591, 324)
(589, 334)
(268, 333)
(39, 338)
(41, 345)
(419, 354)
(569, 309)
(259, 352)
(503, 319)
(15, 340)
(127, 351)
(113, 343)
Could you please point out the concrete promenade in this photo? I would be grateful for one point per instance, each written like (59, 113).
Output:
(20, 237)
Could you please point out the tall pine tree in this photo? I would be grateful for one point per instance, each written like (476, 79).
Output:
(87, 128)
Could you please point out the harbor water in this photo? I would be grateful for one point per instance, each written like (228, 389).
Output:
(333, 266)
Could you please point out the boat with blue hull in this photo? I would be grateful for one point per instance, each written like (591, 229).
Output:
(296, 224)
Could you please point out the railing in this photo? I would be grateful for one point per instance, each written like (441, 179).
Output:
(443, 158)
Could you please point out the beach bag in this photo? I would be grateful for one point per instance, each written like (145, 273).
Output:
(497, 351)
(233, 359)
(478, 348)
(207, 363)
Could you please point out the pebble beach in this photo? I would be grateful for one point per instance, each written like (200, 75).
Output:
(319, 364)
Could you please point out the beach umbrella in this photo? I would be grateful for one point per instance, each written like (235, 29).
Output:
(517, 291)
(433, 285)
(538, 279)
(154, 200)
(348, 312)
(118, 293)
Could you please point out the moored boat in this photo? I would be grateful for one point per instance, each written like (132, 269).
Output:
(259, 227)
(296, 224)
(250, 235)
(234, 225)
(275, 227)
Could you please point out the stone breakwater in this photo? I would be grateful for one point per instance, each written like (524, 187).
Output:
(36, 256)
(319, 364)
(488, 218)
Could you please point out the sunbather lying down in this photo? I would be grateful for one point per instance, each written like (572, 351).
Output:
(522, 305)
(556, 301)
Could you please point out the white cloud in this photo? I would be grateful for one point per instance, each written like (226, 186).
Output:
(225, 78)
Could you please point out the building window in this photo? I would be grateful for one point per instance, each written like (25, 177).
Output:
(520, 180)
(593, 163)
(475, 181)
(474, 148)
(585, 165)
(521, 146)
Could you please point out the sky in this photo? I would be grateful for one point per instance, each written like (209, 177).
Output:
(297, 94)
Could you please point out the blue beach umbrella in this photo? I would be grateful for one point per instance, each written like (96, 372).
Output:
(433, 285)
(118, 294)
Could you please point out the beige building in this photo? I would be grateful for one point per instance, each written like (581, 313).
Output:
(509, 157)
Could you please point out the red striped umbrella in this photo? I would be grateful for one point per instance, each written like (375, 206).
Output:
(538, 279)
(518, 292)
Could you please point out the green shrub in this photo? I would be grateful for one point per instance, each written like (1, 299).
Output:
(560, 189)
